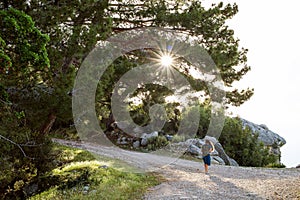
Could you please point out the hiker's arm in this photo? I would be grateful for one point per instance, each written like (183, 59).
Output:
(213, 147)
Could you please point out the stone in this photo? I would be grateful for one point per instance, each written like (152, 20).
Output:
(268, 137)
(218, 159)
(210, 138)
(169, 137)
(194, 145)
(31, 189)
(233, 162)
(222, 154)
(194, 150)
(136, 144)
(188, 142)
(86, 189)
(298, 166)
(264, 127)
(146, 136)
(103, 167)
(122, 140)
(199, 143)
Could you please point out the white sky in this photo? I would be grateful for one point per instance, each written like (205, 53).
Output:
(270, 29)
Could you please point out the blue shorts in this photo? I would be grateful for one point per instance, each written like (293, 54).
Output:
(206, 159)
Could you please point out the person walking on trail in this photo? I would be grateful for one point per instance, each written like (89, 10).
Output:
(206, 149)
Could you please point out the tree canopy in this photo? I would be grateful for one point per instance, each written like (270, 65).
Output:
(75, 27)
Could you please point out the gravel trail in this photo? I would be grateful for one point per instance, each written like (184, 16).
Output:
(185, 179)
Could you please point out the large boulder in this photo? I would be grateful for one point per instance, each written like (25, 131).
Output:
(221, 152)
(270, 139)
(194, 150)
(193, 146)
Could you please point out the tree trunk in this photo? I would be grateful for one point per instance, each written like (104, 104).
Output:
(45, 129)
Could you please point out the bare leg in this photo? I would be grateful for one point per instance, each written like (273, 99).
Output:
(206, 168)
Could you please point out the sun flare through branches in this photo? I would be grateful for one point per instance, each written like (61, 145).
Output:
(166, 60)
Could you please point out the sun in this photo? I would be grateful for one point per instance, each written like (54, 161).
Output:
(166, 60)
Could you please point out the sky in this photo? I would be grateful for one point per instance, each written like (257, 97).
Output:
(270, 29)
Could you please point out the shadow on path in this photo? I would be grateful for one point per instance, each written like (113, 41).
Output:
(231, 191)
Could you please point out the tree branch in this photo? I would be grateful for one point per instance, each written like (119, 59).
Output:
(126, 5)
(23, 152)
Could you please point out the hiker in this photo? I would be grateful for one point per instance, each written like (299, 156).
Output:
(206, 149)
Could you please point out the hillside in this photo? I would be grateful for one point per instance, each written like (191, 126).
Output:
(184, 179)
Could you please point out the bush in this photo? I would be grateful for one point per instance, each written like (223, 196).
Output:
(276, 165)
(244, 147)
(178, 138)
(157, 143)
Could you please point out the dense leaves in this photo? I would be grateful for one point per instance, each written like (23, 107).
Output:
(23, 152)
(23, 50)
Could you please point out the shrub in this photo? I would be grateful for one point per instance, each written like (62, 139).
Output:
(243, 146)
(276, 165)
(157, 143)
(178, 138)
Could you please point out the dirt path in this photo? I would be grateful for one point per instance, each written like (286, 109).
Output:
(185, 179)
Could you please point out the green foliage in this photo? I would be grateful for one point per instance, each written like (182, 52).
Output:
(107, 83)
(75, 28)
(205, 115)
(24, 153)
(276, 165)
(77, 170)
(22, 49)
(155, 143)
(244, 147)
(24, 158)
(178, 138)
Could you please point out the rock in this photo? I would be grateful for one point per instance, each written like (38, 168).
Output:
(199, 143)
(190, 142)
(86, 189)
(298, 166)
(122, 140)
(136, 144)
(222, 153)
(233, 162)
(268, 137)
(214, 153)
(146, 136)
(169, 137)
(144, 142)
(210, 138)
(264, 127)
(219, 160)
(194, 150)
(194, 145)
(31, 189)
